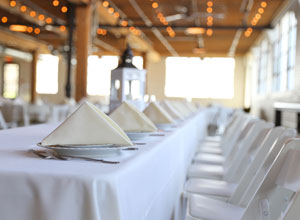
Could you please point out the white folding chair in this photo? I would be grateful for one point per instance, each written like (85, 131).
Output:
(275, 194)
(229, 170)
(268, 150)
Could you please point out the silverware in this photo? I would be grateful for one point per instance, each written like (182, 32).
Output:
(139, 143)
(130, 148)
(54, 155)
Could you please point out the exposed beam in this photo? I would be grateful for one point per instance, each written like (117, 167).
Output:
(183, 27)
(155, 30)
(106, 46)
(33, 75)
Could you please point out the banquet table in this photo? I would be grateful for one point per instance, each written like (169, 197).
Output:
(145, 185)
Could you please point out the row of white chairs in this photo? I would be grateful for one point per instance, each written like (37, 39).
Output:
(251, 172)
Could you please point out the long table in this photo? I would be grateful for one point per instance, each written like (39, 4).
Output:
(146, 185)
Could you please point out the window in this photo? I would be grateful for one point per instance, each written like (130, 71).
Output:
(284, 48)
(47, 74)
(196, 78)
(263, 67)
(138, 62)
(11, 80)
(99, 70)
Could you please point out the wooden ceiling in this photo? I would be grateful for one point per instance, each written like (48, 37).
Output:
(229, 17)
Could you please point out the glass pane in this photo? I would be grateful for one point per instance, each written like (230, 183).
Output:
(196, 78)
(47, 74)
(11, 80)
(138, 62)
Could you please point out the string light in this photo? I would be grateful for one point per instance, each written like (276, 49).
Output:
(101, 31)
(111, 10)
(4, 19)
(105, 4)
(210, 3)
(258, 16)
(48, 20)
(263, 4)
(29, 29)
(124, 23)
(261, 10)
(209, 10)
(55, 3)
(32, 13)
(62, 28)
(154, 5)
(13, 3)
(116, 14)
(64, 9)
(37, 31)
(41, 17)
(209, 32)
(23, 8)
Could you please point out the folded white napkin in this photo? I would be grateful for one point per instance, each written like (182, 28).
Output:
(157, 114)
(87, 126)
(191, 106)
(171, 110)
(129, 118)
(180, 108)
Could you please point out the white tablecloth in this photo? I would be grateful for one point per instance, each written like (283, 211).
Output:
(146, 185)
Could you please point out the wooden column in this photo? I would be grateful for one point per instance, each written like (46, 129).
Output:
(144, 55)
(33, 75)
(83, 34)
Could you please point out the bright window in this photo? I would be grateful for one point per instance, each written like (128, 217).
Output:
(284, 48)
(11, 80)
(196, 78)
(99, 70)
(138, 62)
(47, 74)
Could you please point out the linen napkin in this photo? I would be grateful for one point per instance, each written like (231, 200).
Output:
(180, 108)
(171, 110)
(87, 125)
(157, 114)
(130, 119)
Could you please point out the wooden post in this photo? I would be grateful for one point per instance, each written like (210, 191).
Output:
(83, 33)
(144, 55)
(33, 75)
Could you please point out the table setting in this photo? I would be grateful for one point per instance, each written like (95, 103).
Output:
(75, 171)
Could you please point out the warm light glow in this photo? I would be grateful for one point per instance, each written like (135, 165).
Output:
(209, 23)
(195, 30)
(210, 3)
(261, 10)
(132, 29)
(209, 32)
(255, 19)
(169, 29)
(32, 13)
(247, 34)
(105, 4)
(154, 5)
(162, 19)
(4, 19)
(18, 28)
(137, 32)
(124, 23)
(159, 15)
(41, 17)
(37, 31)
(253, 23)
(172, 34)
(62, 28)
(23, 8)
(13, 3)
(101, 31)
(165, 23)
(258, 16)
(55, 3)
(116, 14)
(49, 20)
(210, 18)
(250, 30)
(104, 32)
(111, 10)
(263, 4)
(209, 10)
(64, 9)
(29, 29)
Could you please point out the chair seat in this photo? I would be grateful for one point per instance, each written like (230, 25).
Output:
(209, 158)
(210, 187)
(211, 150)
(216, 138)
(202, 207)
(200, 170)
